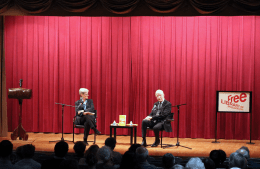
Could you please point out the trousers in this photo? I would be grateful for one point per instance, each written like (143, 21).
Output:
(89, 123)
(156, 126)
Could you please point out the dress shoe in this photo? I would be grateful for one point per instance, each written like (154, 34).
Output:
(144, 143)
(96, 131)
(156, 143)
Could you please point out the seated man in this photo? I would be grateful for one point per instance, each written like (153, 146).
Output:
(156, 120)
(84, 110)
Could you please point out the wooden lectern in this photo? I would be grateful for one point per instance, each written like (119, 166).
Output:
(20, 94)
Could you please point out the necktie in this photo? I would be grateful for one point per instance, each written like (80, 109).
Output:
(159, 107)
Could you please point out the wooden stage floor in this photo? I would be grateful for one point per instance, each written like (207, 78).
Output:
(200, 147)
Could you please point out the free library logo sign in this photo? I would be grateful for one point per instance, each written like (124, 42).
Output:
(234, 101)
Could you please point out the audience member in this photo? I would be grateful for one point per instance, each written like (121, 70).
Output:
(79, 149)
(28, 153)
(237, 160)
(133, 147)
(6, 149)
(215, 155)
(250, 163)
(244, 153)
(105, 158)
(168, 161)
(60, 150)
(116, 156)
(104, 155)
(247, 149)
(208, 163)
(128, 160)
(69, 164)
(195, 163)
(90, 160)
(18, 154)
(223, 157)
(141, 159)
(178, 166)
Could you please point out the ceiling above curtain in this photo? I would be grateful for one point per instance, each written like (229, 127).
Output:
(134, 7)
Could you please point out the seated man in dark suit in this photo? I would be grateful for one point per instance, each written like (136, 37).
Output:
(157, 118)
(84, 116)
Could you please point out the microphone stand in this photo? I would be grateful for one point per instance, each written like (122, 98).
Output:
(62, 139)
(178, 143)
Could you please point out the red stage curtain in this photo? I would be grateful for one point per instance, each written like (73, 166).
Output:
(124, 60)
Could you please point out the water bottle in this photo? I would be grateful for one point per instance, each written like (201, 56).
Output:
(114, 123)
(131, 123)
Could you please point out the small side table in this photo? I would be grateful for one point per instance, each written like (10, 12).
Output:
(129, 127)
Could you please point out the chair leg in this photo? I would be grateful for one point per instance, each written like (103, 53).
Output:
(161, 137)
(94, 138)
(73, 133)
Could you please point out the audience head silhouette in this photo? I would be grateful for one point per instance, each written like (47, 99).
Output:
(244, 152)
(79, 148)
(208, 163)
(168, 160)
(61, 149)
(133, 147)
(128, 160)
(195, 163)
(110, 142)
(104, 154)
(28, 151)
(237, 160)
(6, 148)
(141, 154)
(91, 155)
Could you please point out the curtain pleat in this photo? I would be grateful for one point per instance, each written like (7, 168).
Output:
(124, 60)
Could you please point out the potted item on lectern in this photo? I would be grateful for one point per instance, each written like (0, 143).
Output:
(122, 120)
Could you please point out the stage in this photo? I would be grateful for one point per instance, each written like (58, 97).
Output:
(200, 147)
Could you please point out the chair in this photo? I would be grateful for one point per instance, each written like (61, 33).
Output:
(168, 121)
(82, 126)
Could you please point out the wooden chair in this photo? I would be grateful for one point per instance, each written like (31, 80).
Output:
(168, 121)
(82, 126)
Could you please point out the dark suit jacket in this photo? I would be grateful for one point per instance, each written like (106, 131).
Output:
(79, 106)
(165, 112)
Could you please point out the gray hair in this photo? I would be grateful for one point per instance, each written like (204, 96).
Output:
(141, 154)
(159, 91)
(104, 154)
(83, 90)
(178, 166)
(237, 160)
(244, 153)
(195, 163)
